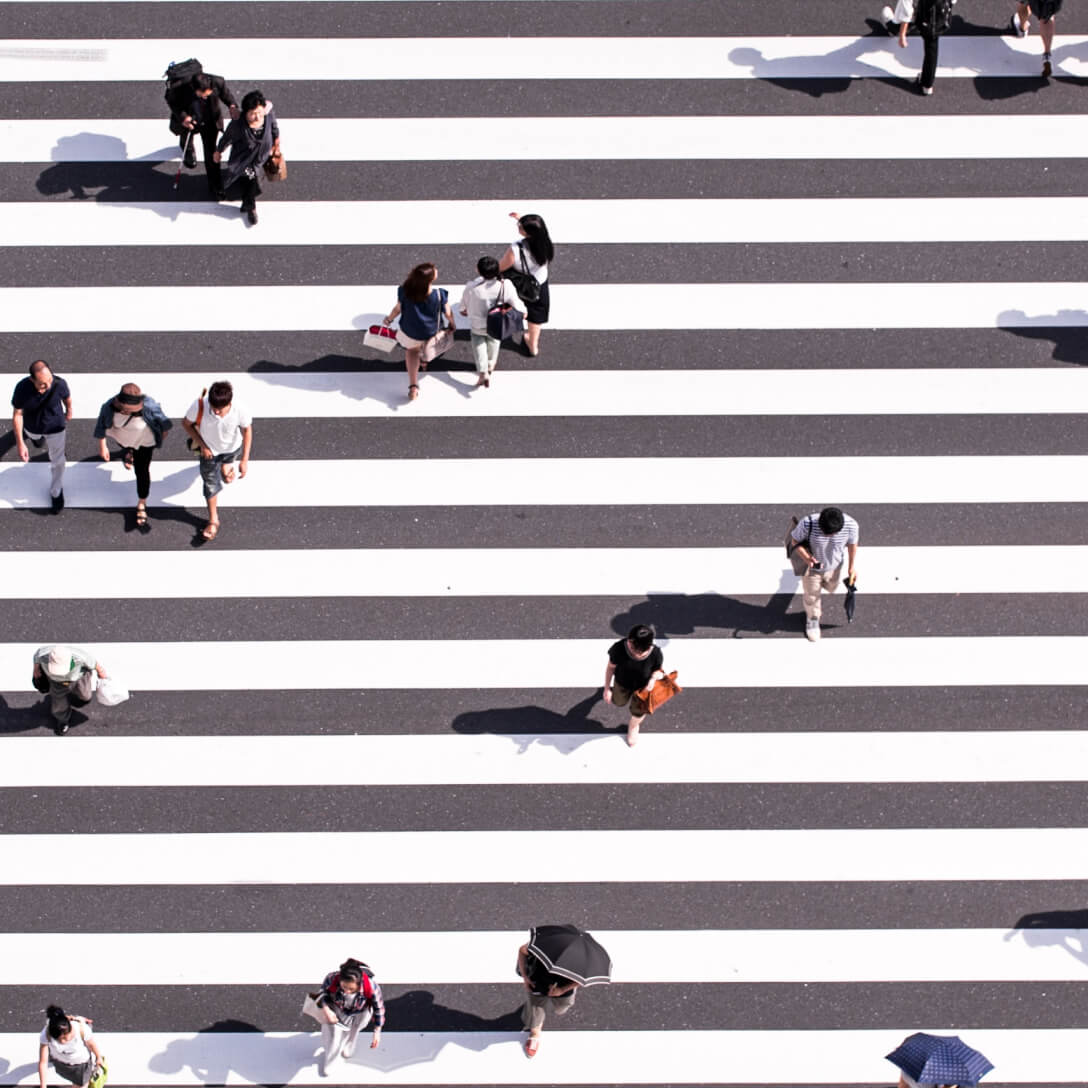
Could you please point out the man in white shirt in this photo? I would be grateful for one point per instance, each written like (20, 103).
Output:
(824, 540)
(479, 298)
(223, 431)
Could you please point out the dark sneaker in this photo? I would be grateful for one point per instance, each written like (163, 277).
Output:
(58, 503)
(60, 728)
(251, 215)
(190, 158)
(1046, 66)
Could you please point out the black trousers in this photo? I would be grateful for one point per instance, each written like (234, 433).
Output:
(141, 465)
(250, 189)
(209, 136)
(930, 44)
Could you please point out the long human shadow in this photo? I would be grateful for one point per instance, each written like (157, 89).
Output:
(789, 72)
(1068, 329)
(16, 718)
(211, 1061)
(683, 614)
(1038, 930)
(78, 170)
(529, 725)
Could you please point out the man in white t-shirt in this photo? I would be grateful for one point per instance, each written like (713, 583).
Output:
(223, 431)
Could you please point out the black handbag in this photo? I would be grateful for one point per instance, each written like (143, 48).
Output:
(504, 322)
(525, 283)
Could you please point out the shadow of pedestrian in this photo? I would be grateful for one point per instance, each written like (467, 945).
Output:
(529, 725)
(234, 1046)
(1049, 928)
(820, 74)
(21, 713)
(1068, 329)
(352, 377)
(685, 614)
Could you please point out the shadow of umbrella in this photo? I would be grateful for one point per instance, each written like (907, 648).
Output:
(1068, 329)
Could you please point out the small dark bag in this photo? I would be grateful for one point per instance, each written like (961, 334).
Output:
(503, 321)
(525, 283)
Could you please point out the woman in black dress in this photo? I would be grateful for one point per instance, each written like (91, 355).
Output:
(634, 663)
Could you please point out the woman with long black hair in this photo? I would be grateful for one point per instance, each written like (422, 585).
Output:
(68, 1043)
(532, 255)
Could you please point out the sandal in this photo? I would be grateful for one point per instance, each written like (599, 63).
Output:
(532, 1045)
(127, 458)
(211, 530)
(413, 392)
(141, 516)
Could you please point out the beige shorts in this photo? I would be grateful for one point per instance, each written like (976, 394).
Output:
(408, 342)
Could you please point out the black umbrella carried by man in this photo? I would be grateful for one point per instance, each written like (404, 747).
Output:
(571, 953)
(851, 597)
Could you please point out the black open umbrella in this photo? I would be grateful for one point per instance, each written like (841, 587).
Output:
(571, 953)
(851, 598)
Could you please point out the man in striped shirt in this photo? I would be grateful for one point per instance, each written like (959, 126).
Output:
(823, 540)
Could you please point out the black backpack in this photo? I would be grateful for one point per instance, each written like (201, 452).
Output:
(933, 16)
(179, 72)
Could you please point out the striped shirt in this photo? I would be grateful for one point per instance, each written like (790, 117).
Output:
(828, 551)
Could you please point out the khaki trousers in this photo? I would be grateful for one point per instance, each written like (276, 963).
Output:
(812, 584)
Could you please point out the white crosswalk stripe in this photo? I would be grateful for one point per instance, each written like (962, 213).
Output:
(351, 728)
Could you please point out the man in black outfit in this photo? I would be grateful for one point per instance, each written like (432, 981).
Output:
(194, 107)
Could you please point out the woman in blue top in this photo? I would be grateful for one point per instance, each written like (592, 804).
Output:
(420, 306)
(137, 424)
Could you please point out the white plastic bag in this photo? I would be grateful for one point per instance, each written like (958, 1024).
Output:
(110, 693)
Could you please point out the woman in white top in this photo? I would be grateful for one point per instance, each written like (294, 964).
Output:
(480, 296)
(137, 424)
(533, 254)
(69, 1044)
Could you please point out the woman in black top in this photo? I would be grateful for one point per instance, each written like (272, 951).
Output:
(253, 139)
(634, 663)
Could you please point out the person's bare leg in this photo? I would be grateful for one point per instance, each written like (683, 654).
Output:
(632, 730)
(213, 518)
(532, 338)
(411, 362)
(1046, 32)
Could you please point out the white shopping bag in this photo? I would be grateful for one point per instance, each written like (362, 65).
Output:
(110, 693)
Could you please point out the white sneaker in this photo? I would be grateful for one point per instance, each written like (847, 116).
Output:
(347, 1050)
(887, 15)
(812, 629)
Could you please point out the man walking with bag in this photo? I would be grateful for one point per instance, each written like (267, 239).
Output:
(822, 541)
(223, 433)
(64, 674)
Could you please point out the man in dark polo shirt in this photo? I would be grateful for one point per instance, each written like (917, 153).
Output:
(42, 407)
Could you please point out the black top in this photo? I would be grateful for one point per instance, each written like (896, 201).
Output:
(183, 99)
(43, 413)
(631, 674)
(540, 978)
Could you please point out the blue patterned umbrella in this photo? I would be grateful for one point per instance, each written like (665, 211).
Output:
(940, 1059)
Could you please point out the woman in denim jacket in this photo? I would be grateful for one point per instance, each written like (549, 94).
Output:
(137, 424)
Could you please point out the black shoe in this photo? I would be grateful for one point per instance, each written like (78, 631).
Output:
(190, 158)
(251, 215)
(217, 194)
(1046, 66)
(60, 728)
(58, 503)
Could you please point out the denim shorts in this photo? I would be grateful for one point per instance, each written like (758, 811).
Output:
(211, 471)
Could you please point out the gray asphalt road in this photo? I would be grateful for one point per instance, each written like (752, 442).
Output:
(47, 612)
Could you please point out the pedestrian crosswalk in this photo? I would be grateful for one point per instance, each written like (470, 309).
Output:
(365, 719)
